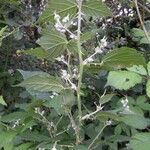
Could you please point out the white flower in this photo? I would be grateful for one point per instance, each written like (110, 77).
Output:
(108, 123)
(104, 42)
(73, 86)
(91, 87)
(90, 59)
(56, 16)
(98, 50)
(52, 96)
(65, 75)
(72, 36)
(54, 148)
(65, 19)
(55, 94)
(59, 27)
(74, 23)
(124, 102)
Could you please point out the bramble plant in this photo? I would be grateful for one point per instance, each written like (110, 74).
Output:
(94, 98)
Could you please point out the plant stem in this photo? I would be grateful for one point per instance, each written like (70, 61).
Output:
(141, 21)
(89, 148)
(80, 66)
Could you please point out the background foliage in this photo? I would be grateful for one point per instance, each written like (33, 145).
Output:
(40, 73)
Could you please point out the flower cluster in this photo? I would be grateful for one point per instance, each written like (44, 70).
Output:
(98, 50)
(61, 25)
(66, 76)
(126, 108)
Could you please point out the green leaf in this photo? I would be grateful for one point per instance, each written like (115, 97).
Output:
(136, 121)
(34, 136)
(72, 47)
(148, 68)
(105, 115)
(42, 83)
(2, 31)
(61, 7)
(123, 80)
(1, 34)
(138, 32)
(89, 35)
(123, 57)
(80, 147)
(148, 88)
(66, 99)
(138, 69)
(39, 52)
(18, 115)
(106, 98)
(53, 42)
(28, 74)
(24, 146)
(95, 8)
(117, 59)
(144, 40)
(6, 137)
(140, 141)
(2, 101)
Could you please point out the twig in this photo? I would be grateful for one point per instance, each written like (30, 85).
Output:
(89, 148)
(144, 7)
(99, 108)
(141, 21)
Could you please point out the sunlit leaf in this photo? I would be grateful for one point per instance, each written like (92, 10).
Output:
(123, 80)
(2, 101)
(61, 7)
(136, 121)
(96, 8)
(42, 83)
(138, 69)
(54, 43)
(39, 52)
(123, 57)
(140, 141)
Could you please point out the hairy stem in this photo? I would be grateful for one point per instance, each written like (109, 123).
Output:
(80, 64)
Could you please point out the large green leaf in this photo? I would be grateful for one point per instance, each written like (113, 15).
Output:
(136, 121)
(140, 141)
(123, 57)
(95, 8)
(117, 59)
(42, 83)
(39, 52)
(138, 69)
(24, 146)
(61, 7)
(6, 137)
(53, 42)
(28, 74)
(18, 115)
(123, 80)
